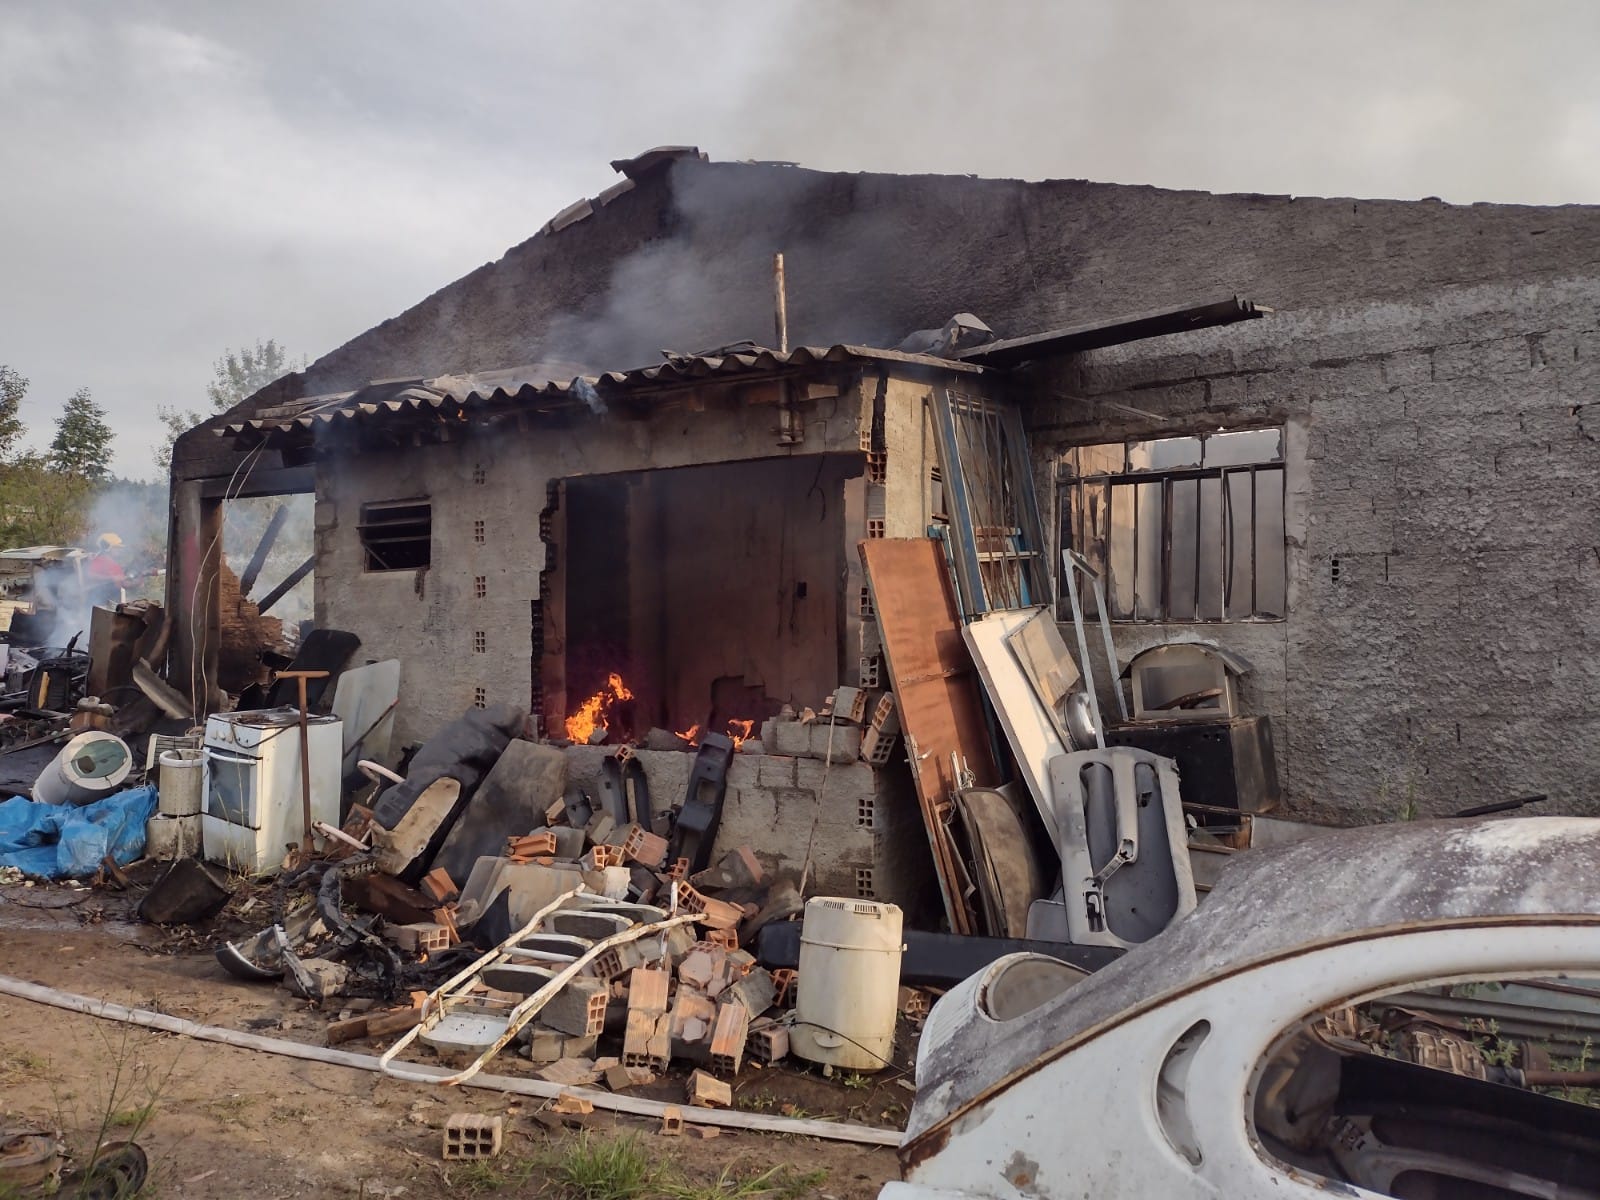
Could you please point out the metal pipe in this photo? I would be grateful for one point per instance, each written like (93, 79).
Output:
(838, 1131)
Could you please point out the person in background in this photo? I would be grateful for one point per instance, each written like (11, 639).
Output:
(104, 577)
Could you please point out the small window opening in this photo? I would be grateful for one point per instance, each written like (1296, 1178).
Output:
(480, 642)
(480, 586)
(478, 532)
(397, 535)
(480, 697)
(864, 883)
(866, 812)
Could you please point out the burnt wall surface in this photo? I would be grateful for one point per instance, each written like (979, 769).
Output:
(683, 260)
(463, 627)
(1442, 648)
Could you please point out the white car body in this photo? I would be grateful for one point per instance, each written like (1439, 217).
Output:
(1141, 1081)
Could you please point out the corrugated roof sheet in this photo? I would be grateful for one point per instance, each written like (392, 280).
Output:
(534, 383)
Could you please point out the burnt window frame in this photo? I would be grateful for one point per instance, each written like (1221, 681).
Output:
(371, 519)
(1143, 486)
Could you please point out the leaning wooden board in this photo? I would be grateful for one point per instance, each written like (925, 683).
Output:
(938, 693)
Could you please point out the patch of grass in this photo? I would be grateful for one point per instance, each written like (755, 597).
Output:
(781, 1182)
(133, 1118)
(614, 1168)
(483, 1176)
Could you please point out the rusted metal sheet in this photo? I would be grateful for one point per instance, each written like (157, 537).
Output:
(937, 689)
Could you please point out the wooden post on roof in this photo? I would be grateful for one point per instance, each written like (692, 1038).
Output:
(780, 300)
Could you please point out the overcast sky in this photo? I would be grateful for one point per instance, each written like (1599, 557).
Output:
(182, 178)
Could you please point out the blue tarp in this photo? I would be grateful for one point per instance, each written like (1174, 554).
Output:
(59, 841)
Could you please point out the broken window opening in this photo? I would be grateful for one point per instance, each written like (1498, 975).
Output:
(1186, 529)
(698, 589)
(397, 535)
(1475, 1088)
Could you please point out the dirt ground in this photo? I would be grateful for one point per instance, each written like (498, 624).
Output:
(222, 1122)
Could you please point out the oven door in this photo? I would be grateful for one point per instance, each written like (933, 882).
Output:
(235, 788)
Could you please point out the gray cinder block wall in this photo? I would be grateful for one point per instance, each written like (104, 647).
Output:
(1442, 451)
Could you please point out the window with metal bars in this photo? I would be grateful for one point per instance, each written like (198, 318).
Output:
(397, 535)
(1181, 528)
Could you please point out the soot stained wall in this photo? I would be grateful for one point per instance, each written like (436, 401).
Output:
(1444, 454)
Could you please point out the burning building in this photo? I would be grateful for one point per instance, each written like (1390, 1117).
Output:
(1360, 495)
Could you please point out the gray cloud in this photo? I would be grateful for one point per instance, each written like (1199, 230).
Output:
(188, 177)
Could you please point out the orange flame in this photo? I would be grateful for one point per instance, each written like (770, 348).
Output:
(582, 724)
(738, 731)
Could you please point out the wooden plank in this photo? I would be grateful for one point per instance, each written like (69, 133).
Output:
(937, 691)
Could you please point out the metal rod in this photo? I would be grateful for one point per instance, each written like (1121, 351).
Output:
(289, 580)
(1071, 562)
(263, 548)
(780, 304)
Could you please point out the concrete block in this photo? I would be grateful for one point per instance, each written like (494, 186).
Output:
(707, 1091)
(773, 771)
(835, 743)
(647, 1041)
(790, 738)
(689, 1006)
(570, 1072)
(641, 846)
(877, 747)
(578, 1009)
(572, 1105)
(544, 1045)
(647, 991)
(423, 937)
(756, 992)
(472, 1135)
(671, 1122)
(770, 1044)
(850, 704)
(728, 1038)
(736, 868)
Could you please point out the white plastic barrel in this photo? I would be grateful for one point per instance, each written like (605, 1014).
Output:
(182, 789)
(166, 838)
(849, 983)
(90, 766)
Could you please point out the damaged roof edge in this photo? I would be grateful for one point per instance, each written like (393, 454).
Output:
(1013, 351)
(527, 384)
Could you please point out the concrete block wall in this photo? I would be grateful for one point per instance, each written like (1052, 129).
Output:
(857, 826)
(1442, 648)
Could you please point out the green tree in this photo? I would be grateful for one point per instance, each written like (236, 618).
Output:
(13, 387)
(237, 375)
(82, 444)
(40, 506)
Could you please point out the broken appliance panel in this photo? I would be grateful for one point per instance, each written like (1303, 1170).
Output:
(1224, 764)
(253, 806)
(1124, 850)
(1184, 681)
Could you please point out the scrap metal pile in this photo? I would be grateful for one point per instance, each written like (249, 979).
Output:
(480, 905)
